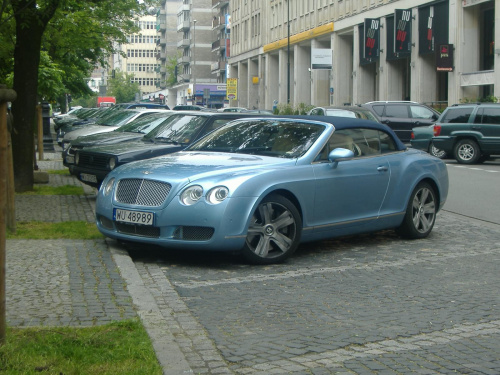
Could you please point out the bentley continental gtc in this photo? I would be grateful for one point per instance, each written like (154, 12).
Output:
(262, 186)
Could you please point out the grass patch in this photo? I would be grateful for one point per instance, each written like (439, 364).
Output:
(55, 190)
(116, 348)
(62, 172)
(38, 230)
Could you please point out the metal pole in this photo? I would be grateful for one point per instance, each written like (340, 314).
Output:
(288, 56)
(194, 61)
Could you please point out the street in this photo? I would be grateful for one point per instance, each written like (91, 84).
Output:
(360, 305)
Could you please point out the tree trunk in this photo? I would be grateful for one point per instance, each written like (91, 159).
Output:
(29, 30)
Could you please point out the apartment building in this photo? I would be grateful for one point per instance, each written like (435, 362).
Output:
(140, 55)
(326, 52)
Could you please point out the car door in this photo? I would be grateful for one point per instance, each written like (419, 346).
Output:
(351, 192)
(487, 122)
(398, 118)
(422, 116)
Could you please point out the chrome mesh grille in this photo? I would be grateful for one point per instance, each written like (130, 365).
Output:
(191, 233)
(138, 230)
(142, 192)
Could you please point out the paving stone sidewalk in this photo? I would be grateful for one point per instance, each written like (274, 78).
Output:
(62, 282)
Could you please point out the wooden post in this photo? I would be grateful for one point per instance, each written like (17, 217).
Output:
(40, 132)
(5, 96)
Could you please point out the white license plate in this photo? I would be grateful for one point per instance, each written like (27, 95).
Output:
(134, 217)
(70, 159)
(88, 177)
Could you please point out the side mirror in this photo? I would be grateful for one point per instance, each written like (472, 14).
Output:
(340, 154)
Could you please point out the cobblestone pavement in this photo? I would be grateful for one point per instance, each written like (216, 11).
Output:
(371, 304)
(62, 282)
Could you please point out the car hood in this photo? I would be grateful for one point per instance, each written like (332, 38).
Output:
(135, 148)
(187, 166)
(87, 130)
(106, 138)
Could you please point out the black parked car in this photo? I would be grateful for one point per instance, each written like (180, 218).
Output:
(403, 116)
(92, 164)
(126, 133)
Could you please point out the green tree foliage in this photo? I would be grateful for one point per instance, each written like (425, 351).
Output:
(171, 70)
(75, 36)
(122, 87)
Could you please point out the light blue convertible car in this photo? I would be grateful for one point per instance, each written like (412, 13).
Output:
(263, 185)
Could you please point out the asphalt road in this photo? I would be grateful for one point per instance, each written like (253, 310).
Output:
(368, 304)
(474, 190)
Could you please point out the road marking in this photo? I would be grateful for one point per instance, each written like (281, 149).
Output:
(472, 168)
(193, 284)
(378, 348)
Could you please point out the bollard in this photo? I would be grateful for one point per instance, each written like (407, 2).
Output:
(6, 95)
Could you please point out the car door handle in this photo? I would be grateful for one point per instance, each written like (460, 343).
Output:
(476, 127)
(382, 168)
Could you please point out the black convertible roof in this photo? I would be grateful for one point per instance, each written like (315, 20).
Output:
(347, 123)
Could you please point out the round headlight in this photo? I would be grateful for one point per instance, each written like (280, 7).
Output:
(217, 194)
(109, 186)
(112, 163)
(77, 157)
(191, 195)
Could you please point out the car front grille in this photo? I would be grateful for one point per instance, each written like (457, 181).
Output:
(190, 233)
(138, 230)
(142, 192)
(92, 161)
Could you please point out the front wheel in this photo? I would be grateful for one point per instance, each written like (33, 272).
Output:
(467, 151)
(274, 231)
(420, 213)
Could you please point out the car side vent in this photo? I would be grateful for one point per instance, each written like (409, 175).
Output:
(142, 192)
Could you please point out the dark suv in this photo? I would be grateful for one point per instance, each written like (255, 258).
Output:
(403, 116)
(469, 132)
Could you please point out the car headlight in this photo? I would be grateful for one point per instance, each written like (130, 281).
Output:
(77, 157)
(191, 195)
(65, 145)
(112, 163)
(217, 194)
(109, 186)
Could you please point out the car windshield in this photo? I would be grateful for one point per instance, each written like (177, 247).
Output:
(177, 129)
(117, 119)
(266, 137)
(145, 124)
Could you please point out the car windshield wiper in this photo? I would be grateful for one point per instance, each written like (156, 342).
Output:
(167, 140)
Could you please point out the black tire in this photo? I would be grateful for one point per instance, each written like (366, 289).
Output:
(274, 232)
(420, 213)
(467, 151)
(434, 151)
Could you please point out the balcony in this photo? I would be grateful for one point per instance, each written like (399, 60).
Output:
(184, 43)
(219, 44)
(219, 3)
(183, 8)
(218, 22)
(183, 60)
(184, 25)
(218, 66)
(183, 77)
(480, 78)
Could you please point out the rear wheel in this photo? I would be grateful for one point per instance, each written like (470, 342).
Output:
(420, 213)
(274, 231)
(467, 151)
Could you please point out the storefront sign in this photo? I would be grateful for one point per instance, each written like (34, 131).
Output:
(232, 88)
(402, 32)
(321, 58)
(444, 58)
(371, 39)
